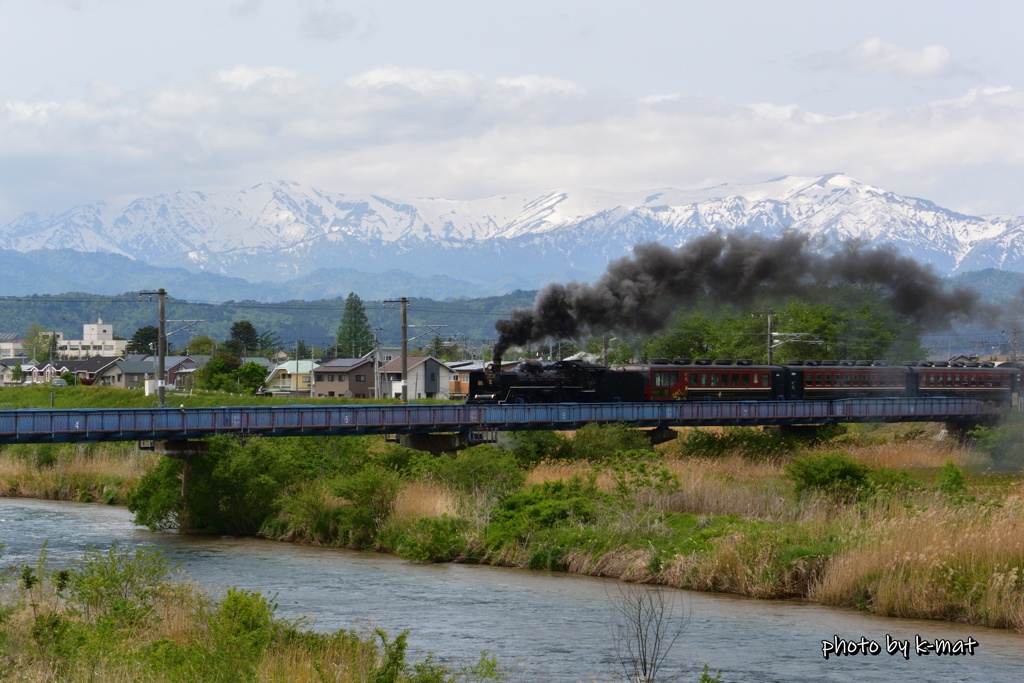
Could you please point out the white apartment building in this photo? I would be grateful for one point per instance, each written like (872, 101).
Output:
(97, 340)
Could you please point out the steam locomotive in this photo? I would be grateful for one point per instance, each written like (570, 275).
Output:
(683, 379)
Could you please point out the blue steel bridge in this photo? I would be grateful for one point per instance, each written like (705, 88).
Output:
(468, 423)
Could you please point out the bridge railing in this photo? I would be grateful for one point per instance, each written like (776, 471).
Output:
(19, 426)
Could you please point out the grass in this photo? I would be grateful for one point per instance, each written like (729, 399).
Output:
(79, 472)
(41, 395)
(122, 616)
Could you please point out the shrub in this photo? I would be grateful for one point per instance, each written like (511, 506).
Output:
(830, 472)
(118, 587)
(597, 442)
(486, 472)
(747, 442)
(530, 448)
(543, 506)
(435, 539)
(309, 513)
(951, 481)
(371, 494)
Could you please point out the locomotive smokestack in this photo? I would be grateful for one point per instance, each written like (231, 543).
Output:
(638, 293)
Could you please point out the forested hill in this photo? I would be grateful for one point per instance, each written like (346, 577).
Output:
(314, 322)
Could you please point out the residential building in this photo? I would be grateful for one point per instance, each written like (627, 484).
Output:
(127, 374)
(85, 370)
(427, 378)
(97, 340)
(9, 368)
(294, 377)
(458, 386)
(345, 378)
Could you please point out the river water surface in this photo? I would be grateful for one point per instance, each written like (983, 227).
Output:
(543, 626)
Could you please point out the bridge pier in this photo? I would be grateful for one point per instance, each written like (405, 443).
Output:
(185, 451)
(436, 444)
(958, 429)
(661, 435)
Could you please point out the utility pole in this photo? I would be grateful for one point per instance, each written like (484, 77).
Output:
(771, 337)
(405, 349)
(161, 343)
(404, 302)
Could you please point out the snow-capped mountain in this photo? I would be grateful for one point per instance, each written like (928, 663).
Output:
(282, 231)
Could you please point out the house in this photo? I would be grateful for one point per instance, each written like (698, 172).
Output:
(427, 378)
(127, 374)
(85, 370)
(294, 378)
(34, 372)
(9, 368)
(458, 385)
(178, 370)
(345, 377)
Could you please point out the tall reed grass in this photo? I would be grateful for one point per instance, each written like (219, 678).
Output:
(938, 560)
(80, 472)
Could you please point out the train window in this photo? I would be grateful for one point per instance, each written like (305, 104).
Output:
(714, 379)
(703, 379)
(693, 379)
(666, 379)
(746, 380)
(755, 379)
(828, 379)
(817, 380)
(764, 379)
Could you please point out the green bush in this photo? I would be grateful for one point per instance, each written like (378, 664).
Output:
(371, 494)
(531, 448)
(951, 481)
(118, 587)
(434, 539)
(830, 472)
(484, 471)
(307, 512)
(748, 442)
(543, 506)
(596, 442)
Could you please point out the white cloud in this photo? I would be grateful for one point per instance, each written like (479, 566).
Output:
(876, 57)
(460, 135)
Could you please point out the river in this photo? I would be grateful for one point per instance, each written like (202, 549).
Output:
(544, 626)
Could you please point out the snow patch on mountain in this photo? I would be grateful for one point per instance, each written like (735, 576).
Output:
(280, 230)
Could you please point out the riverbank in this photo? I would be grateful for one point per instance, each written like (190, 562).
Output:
(888, 520)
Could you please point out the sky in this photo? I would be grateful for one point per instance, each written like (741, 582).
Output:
(462, 99)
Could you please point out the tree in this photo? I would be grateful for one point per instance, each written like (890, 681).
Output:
(244, 339)
(270, 344)
(219, 372)
(144, 340)
(355, 335)
(39, 343)
(202, 345)
(250, 376)
(649, 622)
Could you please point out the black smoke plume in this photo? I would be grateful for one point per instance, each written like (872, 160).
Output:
(638, 293)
